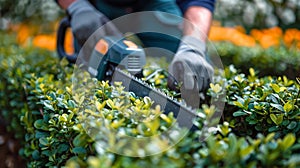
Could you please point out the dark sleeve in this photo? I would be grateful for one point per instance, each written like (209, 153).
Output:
(93, 2)
(185, 4)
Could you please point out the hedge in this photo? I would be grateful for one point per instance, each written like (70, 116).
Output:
(259, 127)
(273, 61)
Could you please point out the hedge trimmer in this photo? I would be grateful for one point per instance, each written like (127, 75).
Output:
(118, 60)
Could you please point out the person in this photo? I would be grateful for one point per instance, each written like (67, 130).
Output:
(189, 65)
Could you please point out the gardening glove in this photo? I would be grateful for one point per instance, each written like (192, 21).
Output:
(190, 67)
(85, 20)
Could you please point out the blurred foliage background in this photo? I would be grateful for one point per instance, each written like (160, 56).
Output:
(247, 13)
(258, 13)
(29, 10)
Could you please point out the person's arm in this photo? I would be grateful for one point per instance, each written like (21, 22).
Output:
(198, 22)
(199, 14)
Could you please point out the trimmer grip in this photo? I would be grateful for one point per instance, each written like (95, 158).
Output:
(63, 26)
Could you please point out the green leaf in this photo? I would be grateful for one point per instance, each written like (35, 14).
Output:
(44, 141)
(252, 122)
(259, 91)
(100, 106)
(79, 99)
(273, 129)
(246, 151)
(29, 137)
(274, 118)
(269, 137)
(153, 125)
(47, 153)
(69, 90)
(79, 150)
(275, 87)
(239, 113)
(52, 95)
(63, 118)
(62, 148)
(286, 81)
(232, 139)
(36, 155)
(292, 125)
(274, 98)
(71, 104)
(277, 106)
(38, 123)
(239, 104)
(288, 106)
(288, 141)
(48, 106)
(147, 100)
(224, 129)
(252, 72)
(272, 145)
(50, 164)
(80, 140)
(280, 119)
(277, 119)
(215, 88)
(70, 116)
(40, 134)
(110, 103)
(295, 113)
(285, 122)
(298, 80)
(233, 145)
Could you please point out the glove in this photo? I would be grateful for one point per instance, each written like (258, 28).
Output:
(190, 67)
(85, 20)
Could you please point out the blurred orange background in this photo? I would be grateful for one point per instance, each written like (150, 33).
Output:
(271, 37)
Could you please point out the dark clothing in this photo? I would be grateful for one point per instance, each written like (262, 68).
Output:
(158, 29)
(185, 4)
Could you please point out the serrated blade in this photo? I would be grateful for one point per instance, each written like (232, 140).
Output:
(185, 115)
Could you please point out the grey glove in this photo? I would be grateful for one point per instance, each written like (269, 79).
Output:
(85, 20)
(189, 65)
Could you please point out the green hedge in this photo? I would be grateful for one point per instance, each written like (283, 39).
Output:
(262, 105)
(259, 127)
(274, 61)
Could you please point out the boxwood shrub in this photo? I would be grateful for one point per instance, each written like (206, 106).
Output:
(274, 61)
(259, 127)
(262, 105)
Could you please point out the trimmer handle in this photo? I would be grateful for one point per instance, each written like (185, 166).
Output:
(60, 43)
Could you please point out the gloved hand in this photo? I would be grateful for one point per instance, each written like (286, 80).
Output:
(190, 67)
(85, 20)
